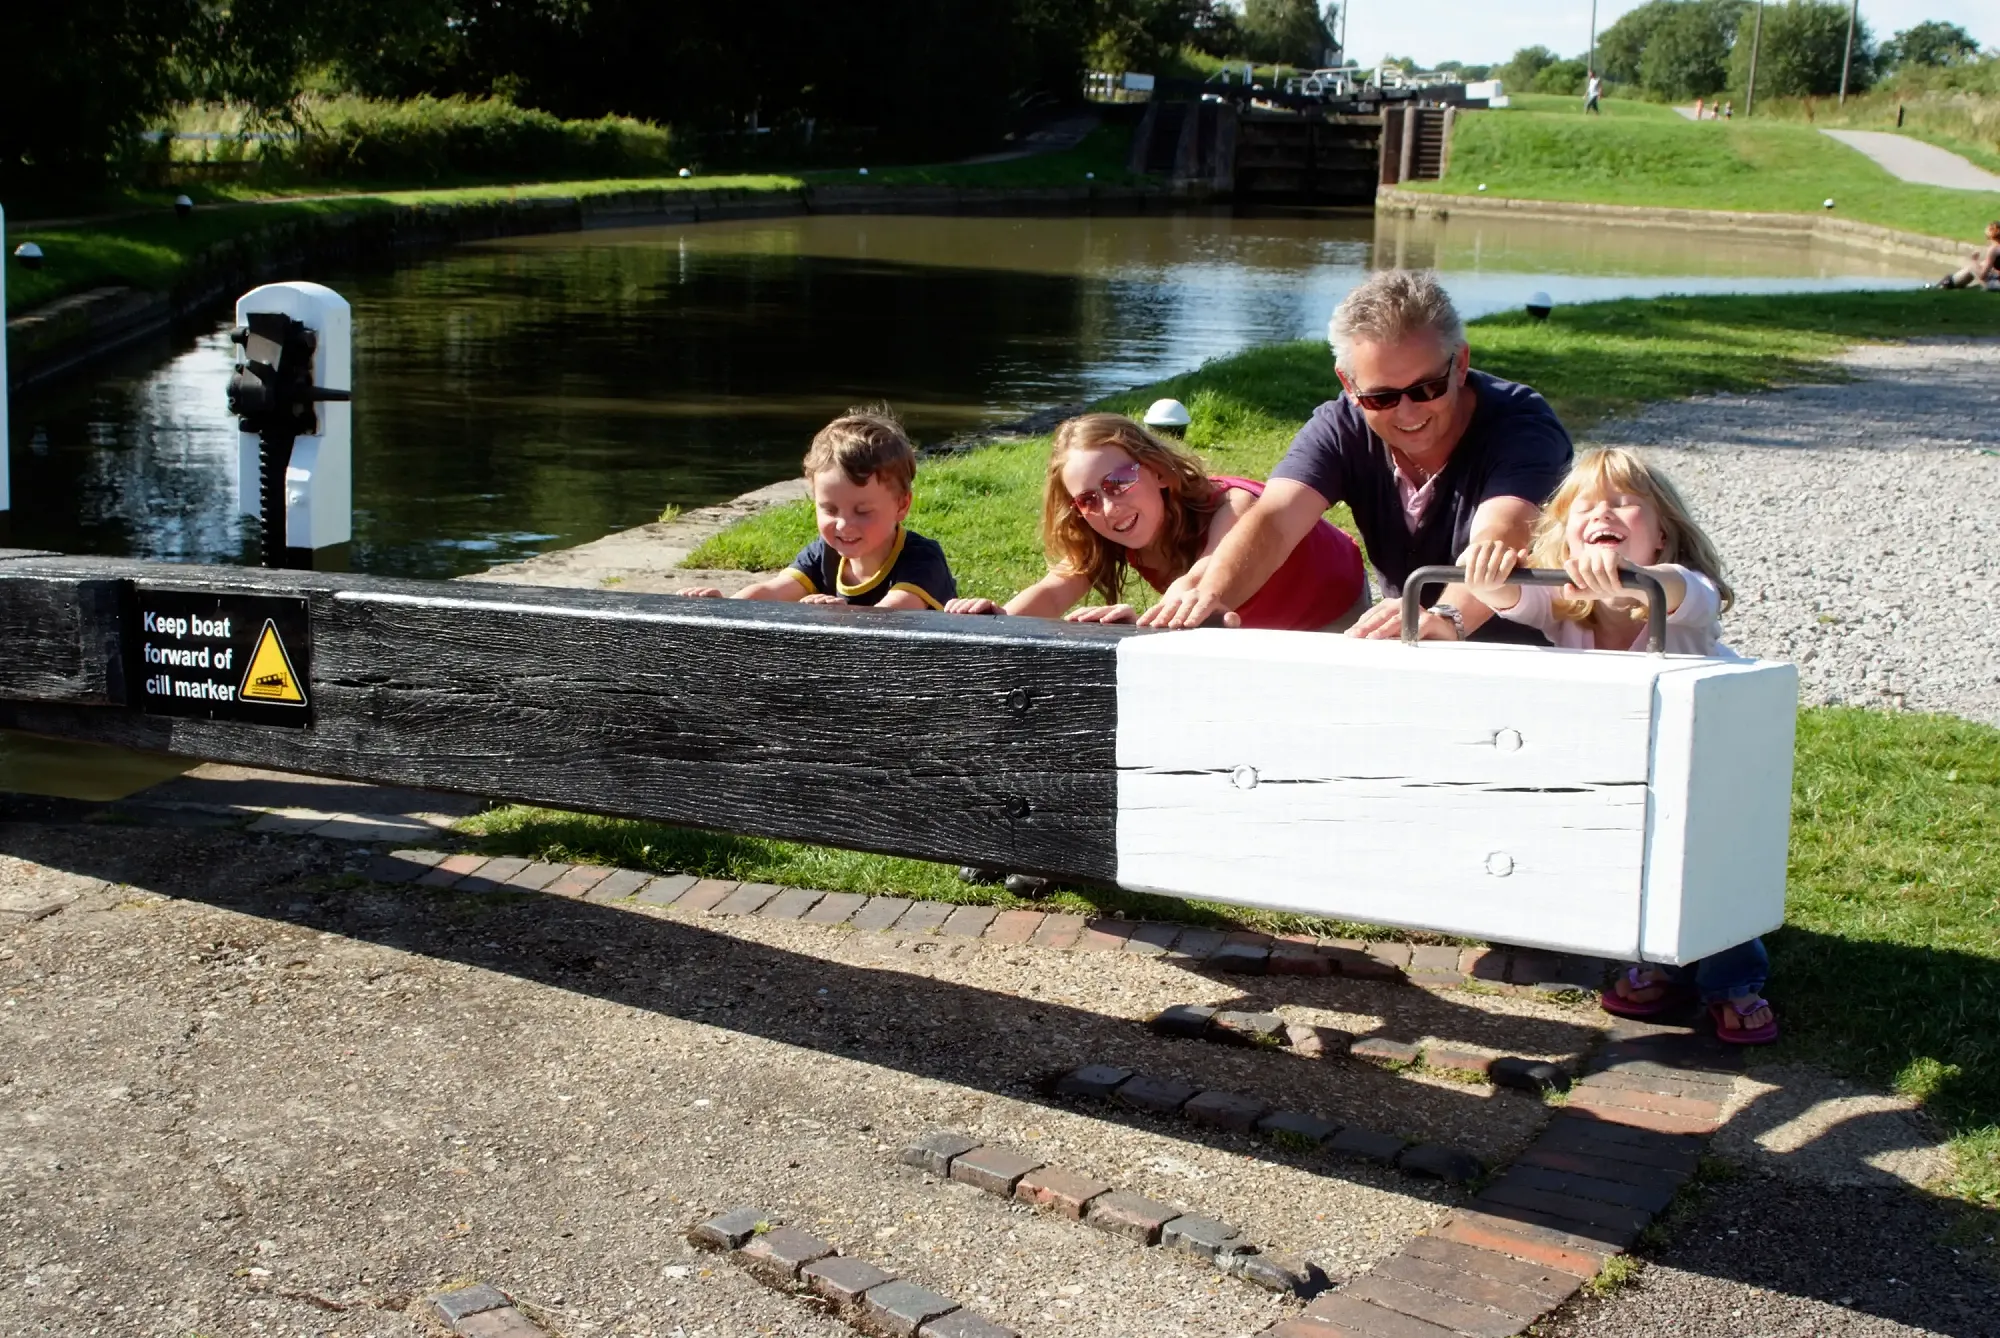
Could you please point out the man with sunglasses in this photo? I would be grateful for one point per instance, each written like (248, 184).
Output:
(1429, 455)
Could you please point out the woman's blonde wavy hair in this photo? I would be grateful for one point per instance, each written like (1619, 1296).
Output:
(1611, 468)
(1076, 549)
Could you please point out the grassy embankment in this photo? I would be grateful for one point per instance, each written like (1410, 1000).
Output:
(1649, 156)
(1955, 107)
(154, 249)
(1890, 964)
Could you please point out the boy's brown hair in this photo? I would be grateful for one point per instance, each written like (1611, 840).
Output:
(865, 443)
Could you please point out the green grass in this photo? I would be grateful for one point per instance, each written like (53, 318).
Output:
(1611, 107)
(1648, 156)
(1954, 107)
(1102, 152)
(1889, 965)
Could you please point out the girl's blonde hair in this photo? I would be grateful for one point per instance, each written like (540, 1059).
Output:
(1611, 468)
(1073, 547)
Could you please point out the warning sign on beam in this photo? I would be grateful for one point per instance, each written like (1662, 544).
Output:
(245, 658)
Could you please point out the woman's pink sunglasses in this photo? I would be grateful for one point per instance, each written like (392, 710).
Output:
(1115, 484)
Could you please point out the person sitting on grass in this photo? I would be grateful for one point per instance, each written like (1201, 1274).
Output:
(1614, 513)
(1118, 497)
(861, 469)
(1983, 265)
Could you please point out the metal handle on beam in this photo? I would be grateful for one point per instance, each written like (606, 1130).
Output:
(1643, 581)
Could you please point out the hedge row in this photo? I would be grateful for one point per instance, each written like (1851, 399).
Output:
(433, 139)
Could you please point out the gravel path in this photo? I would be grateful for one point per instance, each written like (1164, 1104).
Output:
(1914, 160)
(1859, 523)
(240, 1093)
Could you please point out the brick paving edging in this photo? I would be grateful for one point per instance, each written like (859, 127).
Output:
(1240, 952)
(1239, 1113)
(867, 1297)
(1007, 1174)
(1607, 1165)
(1269, 1030)
(1630, 1137)
(481, 1310)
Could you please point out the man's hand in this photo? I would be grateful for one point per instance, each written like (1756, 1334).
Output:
(1596, 573)
(968, 604)
(822, 599)
(1384, 622)
(700, 592)
(1187, 608)
(1102, 613)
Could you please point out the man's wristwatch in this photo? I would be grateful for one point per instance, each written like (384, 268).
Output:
(1451, 614)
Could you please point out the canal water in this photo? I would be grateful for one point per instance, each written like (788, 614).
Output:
(524, 395)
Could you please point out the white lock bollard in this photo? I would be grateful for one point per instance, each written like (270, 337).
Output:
(294, 367)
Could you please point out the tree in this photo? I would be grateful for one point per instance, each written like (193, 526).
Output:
(1143, 34)
(1520, 71)
(1687, 55)
(1622, 46)
(1804, 44)
(80, 80)
(1929, 43)
(1691, 29)
(1561, 76)
(1216, 30)
(1290, 32)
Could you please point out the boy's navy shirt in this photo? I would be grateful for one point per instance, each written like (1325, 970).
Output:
(1515, 446)
(915, 564)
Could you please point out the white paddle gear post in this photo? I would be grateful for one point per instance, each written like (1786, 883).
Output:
(295, 466)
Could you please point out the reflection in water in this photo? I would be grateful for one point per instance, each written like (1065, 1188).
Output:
(534, 393)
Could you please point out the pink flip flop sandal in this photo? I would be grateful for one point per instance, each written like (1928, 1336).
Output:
(1740, 1034)
(1671, 996)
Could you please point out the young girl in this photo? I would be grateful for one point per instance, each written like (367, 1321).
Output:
(1118, 496)
(1612, 513)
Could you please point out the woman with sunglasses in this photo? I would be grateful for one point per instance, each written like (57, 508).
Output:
(1118, 497)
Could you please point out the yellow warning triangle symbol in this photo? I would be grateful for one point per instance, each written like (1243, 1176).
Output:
(270, 677)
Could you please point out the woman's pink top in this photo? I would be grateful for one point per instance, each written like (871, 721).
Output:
(1318, 584)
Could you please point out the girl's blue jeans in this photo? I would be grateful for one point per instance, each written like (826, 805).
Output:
(1731, 973)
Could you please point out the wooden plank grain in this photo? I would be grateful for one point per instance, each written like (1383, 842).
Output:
(981, 740)
(60, 637)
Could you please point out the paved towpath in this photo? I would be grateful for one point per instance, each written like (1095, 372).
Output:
(1915, 161)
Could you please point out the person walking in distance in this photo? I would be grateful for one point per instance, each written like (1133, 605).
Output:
(1593, 89)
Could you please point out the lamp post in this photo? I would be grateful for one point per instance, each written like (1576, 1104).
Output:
(1591, 63)
(1847, 58)
(1756, 41)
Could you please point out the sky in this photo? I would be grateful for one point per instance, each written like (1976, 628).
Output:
(1489, 31)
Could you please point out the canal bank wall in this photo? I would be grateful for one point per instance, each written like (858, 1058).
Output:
(1801, 227)
(71, 332)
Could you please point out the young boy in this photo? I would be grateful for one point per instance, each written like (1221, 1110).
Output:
(860, 469)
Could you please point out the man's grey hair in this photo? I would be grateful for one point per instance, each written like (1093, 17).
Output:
(1391, 305)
